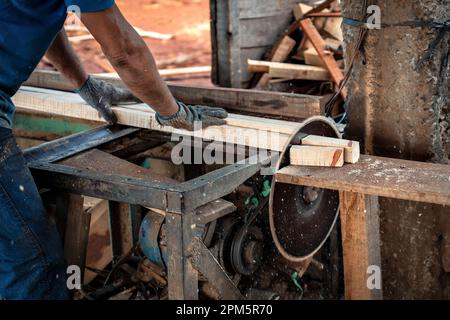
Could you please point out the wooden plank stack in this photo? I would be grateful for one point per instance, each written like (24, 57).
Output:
(321, 151)
(317, 56)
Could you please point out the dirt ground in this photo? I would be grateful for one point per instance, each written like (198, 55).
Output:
(187, 20)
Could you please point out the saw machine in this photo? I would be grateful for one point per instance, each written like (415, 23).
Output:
(225, 232)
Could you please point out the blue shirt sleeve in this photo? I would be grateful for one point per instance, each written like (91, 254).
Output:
(90, 5)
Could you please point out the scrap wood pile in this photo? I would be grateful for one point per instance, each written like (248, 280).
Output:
(308, 56)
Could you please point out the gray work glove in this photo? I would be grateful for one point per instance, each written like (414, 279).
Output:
(102, 95)
(188, 115)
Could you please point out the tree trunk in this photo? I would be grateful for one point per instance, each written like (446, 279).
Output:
(400, 111)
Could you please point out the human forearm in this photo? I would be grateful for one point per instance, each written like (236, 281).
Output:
(63, 57)
(137, 68)
(131, 58)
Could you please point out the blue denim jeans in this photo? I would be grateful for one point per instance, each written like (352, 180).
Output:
(31, 257)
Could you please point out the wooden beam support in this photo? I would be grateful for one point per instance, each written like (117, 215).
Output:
(320, 46)
(99, 252)
(360, 225)
(121, 230)
(317, 156)
(77, 233)
(384, 177)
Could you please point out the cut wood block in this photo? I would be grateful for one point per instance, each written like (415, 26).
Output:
(289, 71)
(312, 58)
(317, 156)
(281, 50)
(301, 9)
(351, 148)
(333, 43)
(333, 28)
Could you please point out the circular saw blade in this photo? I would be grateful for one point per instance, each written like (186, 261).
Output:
(301, 218)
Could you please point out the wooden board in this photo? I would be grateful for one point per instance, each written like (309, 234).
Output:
(102, 162)
(289, 105)
(385, 177)
(316, 156)
(312, 58)
(351, 148)
(301, 9)
(77, 233)
(244, 130)
(360, 226)
(333, 28)
(279, 53)
(99, 251)
(289, 70)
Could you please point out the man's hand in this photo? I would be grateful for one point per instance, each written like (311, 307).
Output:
(102, 95)
(186, 117)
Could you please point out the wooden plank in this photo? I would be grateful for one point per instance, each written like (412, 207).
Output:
(384, 177)
(244, 130)
(319, 44)
(351, 148)
(99, 252)
(77, 233)
(312, 58)
(102, 162)
(289, 70)
(248, 101)
(360, 225)
(121, 229)
(279, 53)
(142, 33)
(168, 72)
(301, 10)
(316, 156)
(251, 101)
(333, 28)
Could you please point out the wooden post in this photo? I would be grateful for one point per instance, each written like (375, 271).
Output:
(77, 233)
(361, 244)
(121, 229)
(399, 110)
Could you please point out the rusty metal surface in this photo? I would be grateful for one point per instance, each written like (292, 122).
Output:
(300, 228)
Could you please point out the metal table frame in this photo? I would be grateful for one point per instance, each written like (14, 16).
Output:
(185, 204)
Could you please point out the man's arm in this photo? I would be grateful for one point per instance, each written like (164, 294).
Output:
(98, 94)
(66, 61)
(134, 63)
(131, 58)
